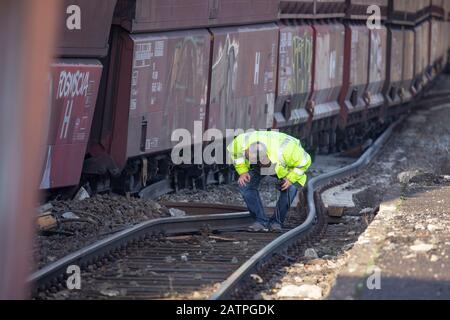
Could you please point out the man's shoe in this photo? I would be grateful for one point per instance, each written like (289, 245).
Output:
(276, 227)
(257, 227)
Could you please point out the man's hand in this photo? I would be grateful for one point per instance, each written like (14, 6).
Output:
(285, 185)
(244, 179)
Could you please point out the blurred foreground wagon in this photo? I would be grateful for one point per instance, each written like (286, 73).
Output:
(74, 82)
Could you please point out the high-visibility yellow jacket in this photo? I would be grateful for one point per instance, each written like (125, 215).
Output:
(285, 153)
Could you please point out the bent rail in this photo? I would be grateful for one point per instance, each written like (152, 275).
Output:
(168, 226)
(287, 239)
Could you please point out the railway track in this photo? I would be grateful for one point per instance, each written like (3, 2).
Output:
(52, 277)
(150, 261)
(241, 284)
(284, 250)
(154, 247)
(186, 258)
(179, 267)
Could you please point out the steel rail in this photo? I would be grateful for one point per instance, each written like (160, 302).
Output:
(199, 208)
(168, 226)
(284, 241)
(56, 271)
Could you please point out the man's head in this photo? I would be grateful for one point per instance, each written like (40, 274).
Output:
(257, 154)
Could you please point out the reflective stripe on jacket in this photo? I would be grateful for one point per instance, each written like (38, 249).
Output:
(284, 151)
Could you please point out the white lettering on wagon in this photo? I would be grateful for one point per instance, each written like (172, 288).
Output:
(66, 120)
(73, 84)
(257, 66)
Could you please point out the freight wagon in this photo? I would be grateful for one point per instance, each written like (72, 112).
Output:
(314, 69)
(74, 81)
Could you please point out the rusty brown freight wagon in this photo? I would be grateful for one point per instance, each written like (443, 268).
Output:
(73, 88)
(422, 55)
(156, 15)
(392, 90)
(243, 77)
(84, 27)
(157, 83)
(312, 9)
(328, 68)
(358, 9)
(408, 65)
(377, 70)
(356, 63)
(295, 62)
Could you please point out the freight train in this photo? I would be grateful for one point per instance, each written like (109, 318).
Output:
(133, 71)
